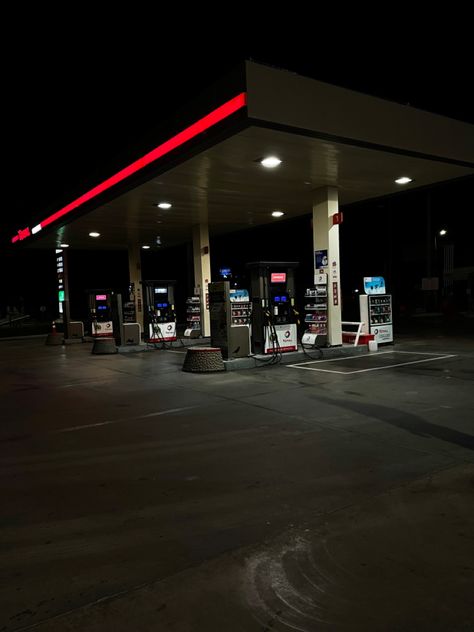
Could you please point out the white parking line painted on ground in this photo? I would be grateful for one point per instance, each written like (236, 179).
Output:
(376, 368)
(124, 419)
(340, 358)
(428, 353)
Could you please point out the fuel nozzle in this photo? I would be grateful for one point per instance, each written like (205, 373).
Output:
(296, 314)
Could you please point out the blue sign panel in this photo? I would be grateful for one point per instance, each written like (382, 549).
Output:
(239, 296)
(320, 259)
(374, 285)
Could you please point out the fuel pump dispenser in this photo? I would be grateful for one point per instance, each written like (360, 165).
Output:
(274, 316)
(107, 315)
(101, 313)
(160, 317)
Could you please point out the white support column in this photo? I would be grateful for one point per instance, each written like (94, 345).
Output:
(135, 273)
(326, 238)
(202, 272)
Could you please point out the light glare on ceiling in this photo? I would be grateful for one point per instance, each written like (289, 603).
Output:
(270, 162)
(403, 180)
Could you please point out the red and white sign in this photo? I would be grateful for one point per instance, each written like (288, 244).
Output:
(285, 338)
(278, 277)
(101, 297)
(337, 218)
(335, 294)
(382, 333)
(162, 332)
(102, 329)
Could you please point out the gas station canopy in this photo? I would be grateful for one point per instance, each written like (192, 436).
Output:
(207, 162)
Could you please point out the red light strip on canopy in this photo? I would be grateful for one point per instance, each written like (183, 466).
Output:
(23, 233)
(208, 121)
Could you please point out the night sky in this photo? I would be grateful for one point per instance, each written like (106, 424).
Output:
(83, 96)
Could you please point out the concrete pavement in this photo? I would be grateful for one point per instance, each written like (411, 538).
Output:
(338, 496)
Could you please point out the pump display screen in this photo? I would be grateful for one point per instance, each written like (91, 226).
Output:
(100, 307)
(101, 297)
(225, 272)
(280, 299)
(278, 277)
(160, 290)
(158, 305)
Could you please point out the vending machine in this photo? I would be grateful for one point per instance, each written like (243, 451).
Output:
(316, 313)
(376, 310)
(160, 317)
(274, 317)
(193, 317)
(230, 314)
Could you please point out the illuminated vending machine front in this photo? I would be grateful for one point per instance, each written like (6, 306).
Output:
(274, 317)
(316, 313)
(230, 313)
(376, 310)
(100, 306)
(160, 315)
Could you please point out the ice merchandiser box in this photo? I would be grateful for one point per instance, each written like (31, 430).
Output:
(376, 310)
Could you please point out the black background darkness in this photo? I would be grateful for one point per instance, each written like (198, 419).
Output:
(81, 96)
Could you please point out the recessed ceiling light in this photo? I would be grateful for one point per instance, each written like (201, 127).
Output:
(146, 247)
(36, 229)
(403, 180)
(163, 205)
(443, 231)
(64, 245)
(270, 162)
(277, 213)
(94, 234)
